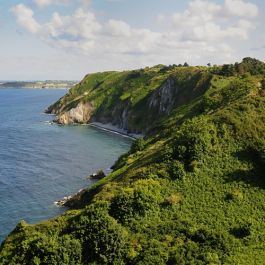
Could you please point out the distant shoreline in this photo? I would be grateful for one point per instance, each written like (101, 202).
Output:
(48, 84)
(37, 88)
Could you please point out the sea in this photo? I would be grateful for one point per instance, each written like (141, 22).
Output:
(42, 162)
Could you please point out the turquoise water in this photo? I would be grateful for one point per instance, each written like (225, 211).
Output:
(41, 162)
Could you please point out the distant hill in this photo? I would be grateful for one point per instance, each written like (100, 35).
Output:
(192, 191)
(38, 84)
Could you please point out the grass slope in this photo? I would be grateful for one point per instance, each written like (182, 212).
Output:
(192, 192)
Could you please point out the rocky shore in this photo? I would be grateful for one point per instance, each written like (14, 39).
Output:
(68, 201)
(71, 200)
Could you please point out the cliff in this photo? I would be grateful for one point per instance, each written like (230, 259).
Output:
(191, 192)
(132, 100)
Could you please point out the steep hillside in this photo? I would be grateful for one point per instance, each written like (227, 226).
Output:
(131, 100)
(191, 192)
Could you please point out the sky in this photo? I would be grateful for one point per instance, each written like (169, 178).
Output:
(66, 39)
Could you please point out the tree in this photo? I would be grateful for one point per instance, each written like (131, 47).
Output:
(138, 145)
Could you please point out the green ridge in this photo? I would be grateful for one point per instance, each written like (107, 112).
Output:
(191, 192)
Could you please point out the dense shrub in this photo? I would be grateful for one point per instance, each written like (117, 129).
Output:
(104, 240)
(42, 249)
(138, 145)
(197, 138)
(177, 170)
(144, 196)
(46, 250)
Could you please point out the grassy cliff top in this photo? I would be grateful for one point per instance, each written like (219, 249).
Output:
(191, 192)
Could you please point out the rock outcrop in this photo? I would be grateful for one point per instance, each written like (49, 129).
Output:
(118, 116)
(70, 201)
(163, 99)
(80, 114)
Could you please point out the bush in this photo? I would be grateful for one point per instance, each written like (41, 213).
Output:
(177, 170)
(144, 196)
(196, 139)
(173, 199)
(155, 252)
(138, 145)
(105, 240)
(52, 250)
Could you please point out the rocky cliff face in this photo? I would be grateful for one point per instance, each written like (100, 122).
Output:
(120, 115)
(123, 115)
(80, 114)
(163, 99)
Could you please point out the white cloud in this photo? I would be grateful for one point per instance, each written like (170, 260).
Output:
(24, 16)
(204, 20)
(240, 8)
(118, 28)
(81, 25)
(44, 3)
(203, 31)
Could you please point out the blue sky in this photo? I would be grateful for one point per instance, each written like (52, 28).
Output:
(66, 39)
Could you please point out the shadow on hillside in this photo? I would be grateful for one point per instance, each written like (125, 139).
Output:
(255, 176)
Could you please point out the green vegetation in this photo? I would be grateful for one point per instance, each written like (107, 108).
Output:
(191, 192)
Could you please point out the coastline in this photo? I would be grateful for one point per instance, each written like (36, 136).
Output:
(69, 200)
(37, 88)
(111, 128)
